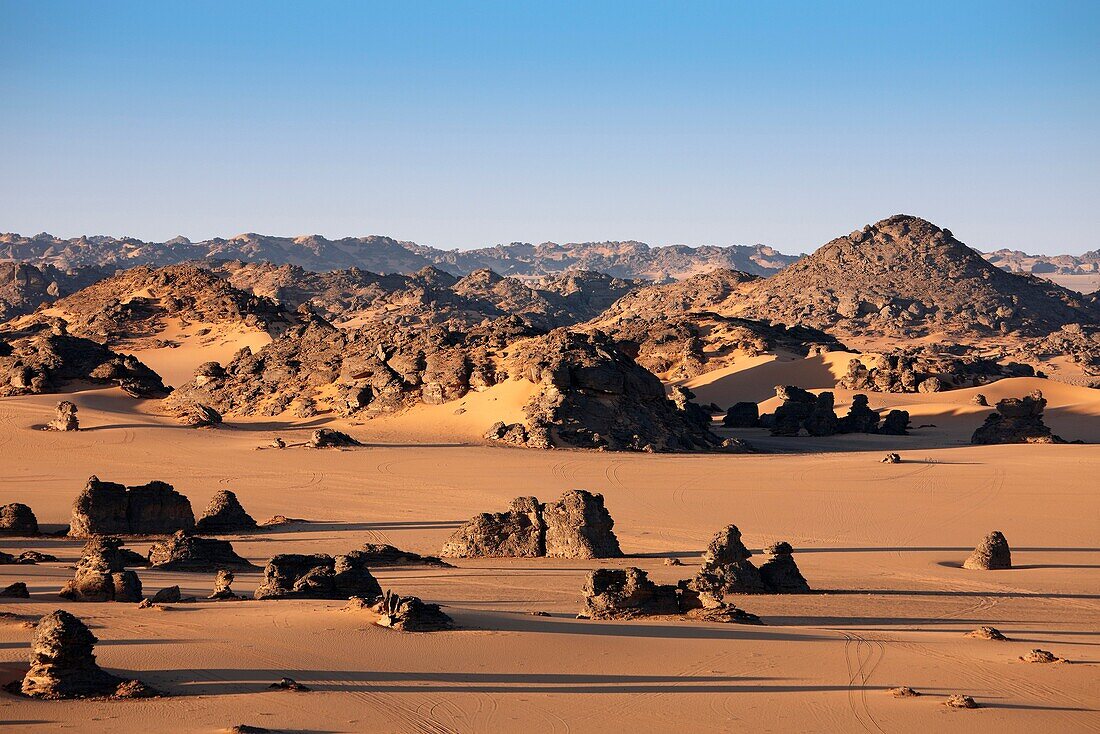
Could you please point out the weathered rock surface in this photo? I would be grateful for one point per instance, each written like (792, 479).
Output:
(726, 568)
(107, 508)
(196, 415)
(383, 554)
(742, 415)
(576, 526)
(101, 574)
(17, 590)
(410, 614)
(1017, 420)
(1044, 657)
(17, 519)
(63, 663)
(780, 573)
(891, 458)
(992, 553)
(329, 438)
(66, 419)
(628, 593)
(318, 576)
(225, 515)
(184, 552)
(222, 581)
(896, 423)
(26, 558)
(167, 595)
(987, 633)
(959, 701)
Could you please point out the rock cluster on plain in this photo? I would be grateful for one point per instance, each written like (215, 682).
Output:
(225, 515)
(17, 519)
(185, 552)
(991, 554)
(383, 554)
(576, 526)
(726, 568)
(1016, 420)
(628, 593)
(318, 576)
(107, 508)
(63, 663)
(327, 438)
(802, 410)
(101, 574)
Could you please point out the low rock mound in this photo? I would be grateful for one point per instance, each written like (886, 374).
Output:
(107, 508)
(1017, 420)
(726, 568)
(1041, 656)
(903, 692)
(65, 419)
(17, 519)
(167, 595)
(628, 593)
(383, 554)
(576, 526)
(17, 590)
(742, 415)
(328, 438)
(184, 552)
(987, 633)
(410, 614)
(196, 415)
(101, 574)
(780, 573)
(991, 554)
(26, 558)
(891, 458)
(63, 663)
(318, 576)
(225, 515)
(959, 701)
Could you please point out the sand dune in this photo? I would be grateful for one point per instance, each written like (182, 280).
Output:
(885, 540)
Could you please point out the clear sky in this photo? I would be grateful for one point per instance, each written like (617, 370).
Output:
(461, 124)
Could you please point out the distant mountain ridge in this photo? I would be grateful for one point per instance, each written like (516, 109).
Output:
(385, 255)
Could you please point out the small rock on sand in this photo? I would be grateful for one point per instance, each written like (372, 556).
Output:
(986, 633)
(1041, 656)
(959, 701)
(903, 692)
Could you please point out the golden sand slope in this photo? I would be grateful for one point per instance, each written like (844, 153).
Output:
(885, 539)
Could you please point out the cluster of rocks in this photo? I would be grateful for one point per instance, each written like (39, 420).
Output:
(726, 568)
(801, 410)
(26, 558)
(410, 614)
(991, 554)
(195, 415)
(925, 372)
(63, 664)
(17, 519)
(1016, 420)
(101, 573)
(185, 552)
(382, 554)
(45, 360)
(107, 508)
(576, 526)
(318, 576)
(628, 593)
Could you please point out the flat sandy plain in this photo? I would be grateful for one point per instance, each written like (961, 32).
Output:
(883, 544)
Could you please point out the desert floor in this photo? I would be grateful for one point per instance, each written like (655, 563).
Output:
(883, 544)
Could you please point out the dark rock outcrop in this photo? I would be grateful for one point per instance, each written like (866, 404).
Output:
(628, 593)
(726, 568)
(167, 595)
(576, 526)
(17, 519)
(17, 590)
(196, 415)
(184, 552)
(101, 574)
(328, 438)
(63, 663)
(318, 576)
(107, 508)
(896, 423)
(410, 614)
(780, 573)
(222, 581)
(225, 515)
(991, 554)
(377, 555)
(742, 415)
(1017, 420)
(860, 417)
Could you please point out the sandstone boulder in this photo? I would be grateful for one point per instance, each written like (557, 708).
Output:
(896, 423)
(726, 568)
(16, 519)
(101, 574)
(626, 593)
(18, 590)
(579, 526)
(66, 419)
(780, 573)
(225, 515)
(107, 508)
(410, 614)
(196, 415)
(319, 576)
(991, 554)
(327, 438)
(222, 581)
(63, 663)
(167, 595)
(184, 552)
(517, 533)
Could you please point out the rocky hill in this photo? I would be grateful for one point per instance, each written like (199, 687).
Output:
(628, 260)
(24, 287)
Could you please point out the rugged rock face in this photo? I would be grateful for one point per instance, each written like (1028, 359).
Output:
(626, 593)
(101, 574)
(183, 552)
(66, 419)
(410, 614)
(17, 519)
(742, 415)
(222, 581)
(1017, 420)
(196, 415)
(45, 361)
(381, 554)
(924, 370)
(319, 576)
(63, 663)
(726, 567)
(24, 287)
(576, 526)
(510, 434)
(518, 533)
(592, 395)
(780, 573)
(328, 438)
(225, 515)
(991, 554)
(107, 508)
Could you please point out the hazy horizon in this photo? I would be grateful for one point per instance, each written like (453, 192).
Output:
(469, 124)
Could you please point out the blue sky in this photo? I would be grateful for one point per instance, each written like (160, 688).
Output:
(467, 124)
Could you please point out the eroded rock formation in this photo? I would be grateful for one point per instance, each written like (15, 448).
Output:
(107, 508)
(410, 614)
(991, 554)
(185, 552)
(17, 519)
(65, 419)
(225, 515)
(726, 568)
(318, 576)
(101, 574)
(1017, 420)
